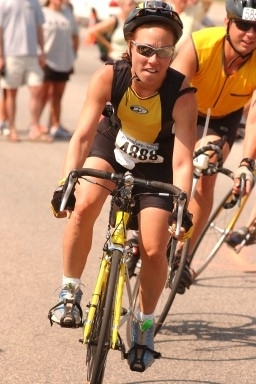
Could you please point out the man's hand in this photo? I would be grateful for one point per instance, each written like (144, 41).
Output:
(57, 198)
(245, 168)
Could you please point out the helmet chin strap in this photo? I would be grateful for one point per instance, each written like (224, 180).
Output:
(135, 77)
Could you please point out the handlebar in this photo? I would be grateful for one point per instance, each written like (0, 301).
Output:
(127, 179)
(202, 151)
(236, 198)
(203, 166)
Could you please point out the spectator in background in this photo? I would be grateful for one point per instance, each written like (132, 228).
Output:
(4, 129)
(22, 56)
(68, 4)
(199, 9)
(61, 42)
(109, 32)
(193, 16)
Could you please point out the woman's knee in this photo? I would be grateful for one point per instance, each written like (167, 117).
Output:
(153, 253)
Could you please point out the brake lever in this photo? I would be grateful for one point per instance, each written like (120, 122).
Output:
(242, 189)
(181, 202)
(237, 198)
(68, 187)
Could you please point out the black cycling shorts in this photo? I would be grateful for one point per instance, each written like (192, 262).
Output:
(223, 126)
(103, 147)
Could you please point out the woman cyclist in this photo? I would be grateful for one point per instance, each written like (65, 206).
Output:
(148, 98)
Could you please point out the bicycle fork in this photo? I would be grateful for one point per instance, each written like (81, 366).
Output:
(118, 239)
(98, 291)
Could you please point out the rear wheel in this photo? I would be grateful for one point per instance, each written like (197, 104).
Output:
(176, 266)
(135, 303)
(100, 339)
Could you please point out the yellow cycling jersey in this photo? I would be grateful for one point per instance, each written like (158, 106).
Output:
(216, 90)
(141, 117)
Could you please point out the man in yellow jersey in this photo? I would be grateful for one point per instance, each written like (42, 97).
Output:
(220, 62)
(148, 97)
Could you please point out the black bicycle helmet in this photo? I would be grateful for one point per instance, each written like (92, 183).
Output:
(153, 11)
(241, 9)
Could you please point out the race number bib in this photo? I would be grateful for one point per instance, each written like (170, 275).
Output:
(249, 14)
(128, 151)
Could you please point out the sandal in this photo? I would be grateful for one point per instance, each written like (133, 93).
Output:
(41, 138)
(13, 137)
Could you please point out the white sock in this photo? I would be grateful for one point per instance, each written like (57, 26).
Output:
(141, 317)
(72, 280)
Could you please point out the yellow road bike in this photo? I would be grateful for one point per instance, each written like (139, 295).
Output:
(106, 311)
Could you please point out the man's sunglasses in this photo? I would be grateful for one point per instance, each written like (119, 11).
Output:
(244, 25)
(148, 51)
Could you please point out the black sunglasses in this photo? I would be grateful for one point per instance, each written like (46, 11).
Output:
(148, 51)
(244, 25)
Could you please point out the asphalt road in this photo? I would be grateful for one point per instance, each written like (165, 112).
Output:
(210, 335)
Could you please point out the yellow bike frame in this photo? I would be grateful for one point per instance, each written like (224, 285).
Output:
(118, 239)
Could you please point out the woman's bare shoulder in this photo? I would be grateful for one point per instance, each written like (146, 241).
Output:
(101, 80)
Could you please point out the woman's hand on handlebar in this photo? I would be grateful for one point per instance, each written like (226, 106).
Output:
(57, 199)
(187, 228)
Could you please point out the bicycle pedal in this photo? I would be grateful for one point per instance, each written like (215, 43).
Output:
(120, 346)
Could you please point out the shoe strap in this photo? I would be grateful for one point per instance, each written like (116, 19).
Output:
(64, 302)
(139, 353)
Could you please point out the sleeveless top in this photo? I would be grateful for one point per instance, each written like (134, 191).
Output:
(141, 128)
(216, 90)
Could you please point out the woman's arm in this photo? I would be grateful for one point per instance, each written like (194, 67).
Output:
(96, 99)
(185, 117)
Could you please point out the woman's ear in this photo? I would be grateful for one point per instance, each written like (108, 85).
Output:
(226, 21)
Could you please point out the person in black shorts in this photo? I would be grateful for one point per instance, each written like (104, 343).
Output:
(220, 62)
(152, 133)
(60, 45)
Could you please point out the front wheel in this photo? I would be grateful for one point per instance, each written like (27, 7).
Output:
(219, 225)
(99, 343)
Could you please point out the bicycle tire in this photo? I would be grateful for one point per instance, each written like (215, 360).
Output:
(168, 294)
(220, 223)
(135, 300)
(100, 342)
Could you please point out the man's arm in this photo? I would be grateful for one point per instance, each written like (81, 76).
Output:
(40, 39)
(2, 62)
(249, 150)
(186, 59)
